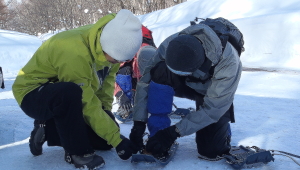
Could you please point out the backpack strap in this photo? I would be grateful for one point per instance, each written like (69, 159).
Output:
(203, 71)
(224, 39)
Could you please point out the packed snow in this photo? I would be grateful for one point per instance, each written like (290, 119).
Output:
(267, 101)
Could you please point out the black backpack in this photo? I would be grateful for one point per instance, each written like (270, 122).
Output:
(147, 36)
(226, 31)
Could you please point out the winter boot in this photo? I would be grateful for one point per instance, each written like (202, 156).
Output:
(37, 138)
(87, 161)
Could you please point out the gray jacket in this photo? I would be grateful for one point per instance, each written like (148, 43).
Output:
(219, 90)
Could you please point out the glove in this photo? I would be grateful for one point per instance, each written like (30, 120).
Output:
(124, 102)
(125, 70)
(181, 111)
(126, 148)
(137, 132)
(160, 143)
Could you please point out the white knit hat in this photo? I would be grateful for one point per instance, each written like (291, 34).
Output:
(121, 38)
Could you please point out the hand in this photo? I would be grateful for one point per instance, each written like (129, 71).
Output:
(137, 132)
(181, 111)
(124, 102)
(160, 143)
(126, 148)
(125, 70)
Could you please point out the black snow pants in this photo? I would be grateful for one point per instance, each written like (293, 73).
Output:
(213, 140)
(59, 106)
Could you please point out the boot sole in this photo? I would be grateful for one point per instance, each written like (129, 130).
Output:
(35, 151)
(85, 167)
(69, 160)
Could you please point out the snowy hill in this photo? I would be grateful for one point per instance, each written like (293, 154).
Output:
(270, 27)
(267, 103)
(15, 50)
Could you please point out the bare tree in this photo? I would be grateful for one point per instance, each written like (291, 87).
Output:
(41, 16)
(3, 14)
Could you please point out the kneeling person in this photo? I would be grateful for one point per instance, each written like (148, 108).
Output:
(60, 88)
(190, 64)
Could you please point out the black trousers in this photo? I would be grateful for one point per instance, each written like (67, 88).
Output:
(212, 140)
(59, 106)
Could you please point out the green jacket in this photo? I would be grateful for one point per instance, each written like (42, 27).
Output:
(75, 56)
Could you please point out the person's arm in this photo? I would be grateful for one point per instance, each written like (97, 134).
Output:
(140, 112)
(1, 79)
(219, 96)
(105, 93)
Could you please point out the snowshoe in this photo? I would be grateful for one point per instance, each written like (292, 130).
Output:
(247, 157)
(123, 118)
(148, 158)
(124, 114)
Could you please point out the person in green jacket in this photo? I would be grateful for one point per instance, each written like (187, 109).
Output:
(67, 87)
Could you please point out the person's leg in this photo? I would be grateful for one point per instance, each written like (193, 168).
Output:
(97, 142)
(62, 103)
(1, 79)
(52, 136)
(214, 140)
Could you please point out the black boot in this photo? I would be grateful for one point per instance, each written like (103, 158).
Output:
(37, 138)
(87, 161)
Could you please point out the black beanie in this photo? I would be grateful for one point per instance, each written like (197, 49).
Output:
(184, 55)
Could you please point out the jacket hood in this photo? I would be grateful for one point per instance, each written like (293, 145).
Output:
(93, 39)
(209, 39)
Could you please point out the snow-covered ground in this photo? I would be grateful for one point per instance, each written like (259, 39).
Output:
(267, 101)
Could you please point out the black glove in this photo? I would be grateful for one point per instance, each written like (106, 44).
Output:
(182, 112)
(160, 143)
(137, 132)
(125, 70)
(126, 148)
